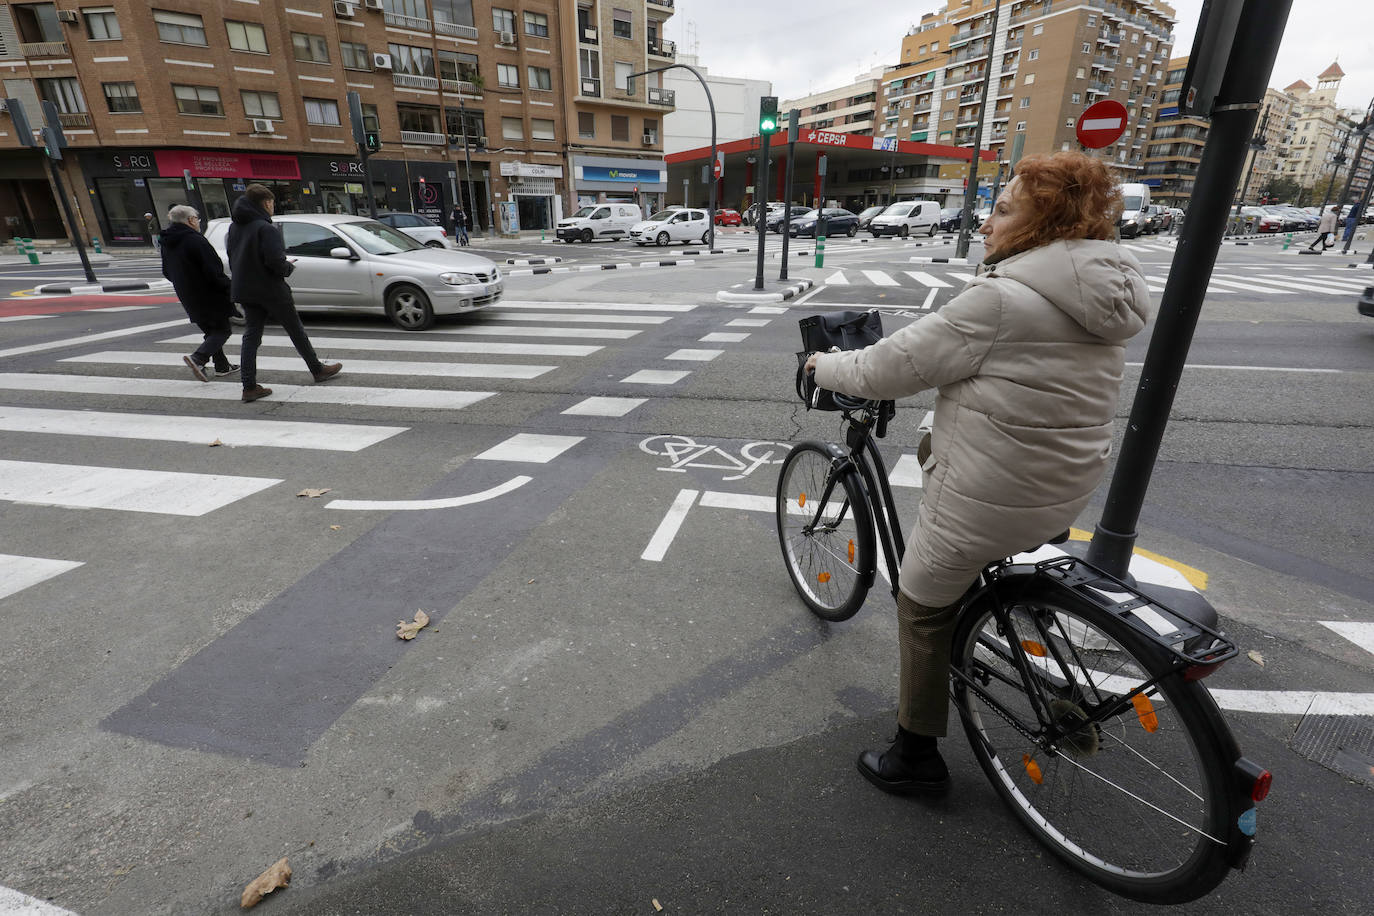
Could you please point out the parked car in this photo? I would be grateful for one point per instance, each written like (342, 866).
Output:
(751, 215)
(351, 263)
(422, 230)
(837, 222)
(684, 225)
(599, 221)
(951, 218)
(728, 217)
(906, 217)
(1175, 218)
(867, 215)
(1289, 220)
(1264, 221)
(775, 216)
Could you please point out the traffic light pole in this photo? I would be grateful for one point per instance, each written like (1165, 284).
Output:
(762, 221)
(71, 219)
(793, 131)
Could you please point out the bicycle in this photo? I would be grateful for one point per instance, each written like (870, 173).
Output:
(1078, 692)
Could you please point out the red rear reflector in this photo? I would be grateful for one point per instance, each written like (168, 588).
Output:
(1260, 789)
(1198, 672)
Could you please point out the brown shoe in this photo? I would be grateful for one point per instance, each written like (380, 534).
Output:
(257, 391)
(327, 371)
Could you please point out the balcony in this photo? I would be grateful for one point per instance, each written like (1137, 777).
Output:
(407, 22)
(666, 97)
(663, 48)
(969, 54)
(970, 35)
(589, 35)
(666, 4)
(422, 137)
(453, 28)
(44, 49)
(1111, 39)
(414, 82)
(1105, 62)
(590, 87)
(461, 87)
(74, 119)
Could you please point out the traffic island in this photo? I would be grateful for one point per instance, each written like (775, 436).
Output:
(114, 286)
(773, 291)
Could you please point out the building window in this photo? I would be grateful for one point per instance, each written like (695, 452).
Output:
(1077, 98)
(1081, 73)
(622, 75)
(102, 25)
(64, 92)
(418, 118)
(1038, 30)
(1020, 125)
(324, 112)
(411, 60)
(537, 24)
(540, 77)
(261, 104)
(198, 100)
(1033, 54)
(121, 97)
(512, 128)
(179, 28)
(949, 116)
(503, 20)
(467, 125)
(586, 125)
(310, 47)
(951, 94)
(620, 24)
(354, 56)
(458, 12)
(1025, 102)
(246, 36)
(1030, 79)
(651, 130)
(620, 128)
(934, 46)
(458, 65)
(1092, 22)
(541, 129)
(1087, 48)
(508, 75)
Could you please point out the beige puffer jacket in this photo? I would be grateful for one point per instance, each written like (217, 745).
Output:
(1028, 361)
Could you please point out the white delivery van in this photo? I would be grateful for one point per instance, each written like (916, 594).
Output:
(1136, 200)
(681, 224)
(906, 217)
(599, 221)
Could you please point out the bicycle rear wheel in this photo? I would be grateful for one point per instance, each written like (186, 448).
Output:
(1132, 792)
(827, 541)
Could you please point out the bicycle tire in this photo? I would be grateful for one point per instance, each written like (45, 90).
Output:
(831, 565)
(1167, 753)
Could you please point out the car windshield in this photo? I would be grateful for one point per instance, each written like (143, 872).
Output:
(583, 213)
(377, 238)
(661, 215)
(898, 210)
(1133, 202)
(807, 214)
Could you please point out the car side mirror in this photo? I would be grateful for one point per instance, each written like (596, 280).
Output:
(343, 254)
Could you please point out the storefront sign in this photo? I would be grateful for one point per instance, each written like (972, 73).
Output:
(428, 202)
(630, 176)
(265, 166)
(132, 163)
(349, 167)
(531, 170)
(353, 187)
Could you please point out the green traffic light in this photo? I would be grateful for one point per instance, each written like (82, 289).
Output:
(768, 126)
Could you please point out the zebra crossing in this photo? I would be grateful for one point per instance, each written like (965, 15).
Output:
(514, 341)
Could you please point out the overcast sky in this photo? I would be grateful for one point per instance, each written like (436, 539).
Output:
(806, 46)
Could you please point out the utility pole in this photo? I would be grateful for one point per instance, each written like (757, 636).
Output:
(1257, 143)
(1339, 161)
(54, 141)
(971, 192)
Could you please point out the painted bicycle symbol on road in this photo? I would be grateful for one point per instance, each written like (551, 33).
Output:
(684, 452)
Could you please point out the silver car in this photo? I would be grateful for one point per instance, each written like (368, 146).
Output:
(351, 263)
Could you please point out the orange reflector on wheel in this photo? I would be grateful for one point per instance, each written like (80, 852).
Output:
(1145, 711)
(823, 578)
(851, 551)
(1034, 648)
(801, 500)
(1032, 769)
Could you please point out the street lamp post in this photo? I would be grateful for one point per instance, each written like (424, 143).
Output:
(471, 208)
(1338, 161)
(711, 205)
(971, 192)
(1257, 143)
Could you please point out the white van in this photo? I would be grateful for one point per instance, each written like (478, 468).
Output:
(905, 217)
(1136, 200)
(599, 221)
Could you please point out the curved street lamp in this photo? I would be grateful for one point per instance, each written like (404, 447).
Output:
(711, 207)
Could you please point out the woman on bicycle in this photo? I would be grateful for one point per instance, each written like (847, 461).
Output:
(1027, 362)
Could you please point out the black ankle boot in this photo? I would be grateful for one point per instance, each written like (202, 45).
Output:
(911, 765)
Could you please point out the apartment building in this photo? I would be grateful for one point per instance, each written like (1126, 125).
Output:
(849, 109)
(736, 101)
(1174, 149)
(233, 91)
(1045, 60)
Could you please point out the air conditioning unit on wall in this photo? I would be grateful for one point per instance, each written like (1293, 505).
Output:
(263, 126)
(506, 38)
(381, 61)
(66, 15)
(648, 139)
(343, 10)
(373, 4)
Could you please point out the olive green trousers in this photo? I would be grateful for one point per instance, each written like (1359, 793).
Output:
(925, 634)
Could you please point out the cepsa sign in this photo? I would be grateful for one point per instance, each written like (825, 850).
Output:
(827, 137)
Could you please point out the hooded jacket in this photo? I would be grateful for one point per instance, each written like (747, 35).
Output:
(257, 257)
(197, 274)
(1028, 363)
(1328, 221)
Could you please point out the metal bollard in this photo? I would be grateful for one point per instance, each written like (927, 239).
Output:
(1287, 240)
(29, 249)
(95, 243)
(820, 250)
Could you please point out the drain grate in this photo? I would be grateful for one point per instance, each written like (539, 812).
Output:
(1341, 743)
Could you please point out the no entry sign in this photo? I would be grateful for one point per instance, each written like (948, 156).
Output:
(1102, 124)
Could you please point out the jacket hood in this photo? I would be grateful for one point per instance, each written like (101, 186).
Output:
(176, 234)
(1098, 284)
(245, 211)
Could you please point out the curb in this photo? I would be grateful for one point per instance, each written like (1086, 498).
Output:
(781, 295)
(114, 286)
(920, 260)
(722, 251)
(1366, 264)
(537, 271)
(528, 261)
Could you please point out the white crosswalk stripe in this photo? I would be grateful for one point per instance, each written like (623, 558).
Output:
(926, 279)
(415, 344)
(355, 366)
(123, 489)
(879, 278)
(18, 573)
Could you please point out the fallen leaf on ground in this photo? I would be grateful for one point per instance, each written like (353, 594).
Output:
(313, 493)
(216, 442)
(658, 907)
(279, 875)
(336, 527)
(1255, 657)
(409, 630)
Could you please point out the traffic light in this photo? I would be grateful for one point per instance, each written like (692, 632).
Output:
(372, 140)
(768, 114)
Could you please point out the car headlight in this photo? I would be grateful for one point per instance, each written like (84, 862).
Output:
(457, 279)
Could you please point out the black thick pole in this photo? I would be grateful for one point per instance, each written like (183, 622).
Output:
(1234, 113)
(763, 205)
(1359, 214)
(792, 126)
(71, 219)
(971, 192)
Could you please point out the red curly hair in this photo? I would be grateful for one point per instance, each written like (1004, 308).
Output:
(1069, 196)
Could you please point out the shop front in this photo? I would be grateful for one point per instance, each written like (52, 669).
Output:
(601, 179)
(26, 199)
(535, 193)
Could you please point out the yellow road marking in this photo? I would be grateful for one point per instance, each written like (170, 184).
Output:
(1196, 577)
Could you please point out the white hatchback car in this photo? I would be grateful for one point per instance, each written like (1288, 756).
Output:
(351, 263)
(426, 232)
(683, 224)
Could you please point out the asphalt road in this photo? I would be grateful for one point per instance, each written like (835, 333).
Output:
(584, 728)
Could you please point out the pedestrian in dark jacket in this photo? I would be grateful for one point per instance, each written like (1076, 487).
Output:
(460, 225)
(197, 275)
(258, 269)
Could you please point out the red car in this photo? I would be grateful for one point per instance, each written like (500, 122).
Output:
(729, 218)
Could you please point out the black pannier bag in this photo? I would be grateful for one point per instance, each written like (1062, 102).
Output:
(827, 333)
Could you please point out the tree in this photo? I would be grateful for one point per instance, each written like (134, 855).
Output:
(1282, 189)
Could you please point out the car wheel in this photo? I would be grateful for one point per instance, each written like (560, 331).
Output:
(932, 230)
(236, 315)
(662, 240)
(904, 232)
(853, 231)
(586, 235)
(706, 237)
(433, 243)
(409, 308)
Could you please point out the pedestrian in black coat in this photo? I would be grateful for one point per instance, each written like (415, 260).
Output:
(197, 275)
(259, 267)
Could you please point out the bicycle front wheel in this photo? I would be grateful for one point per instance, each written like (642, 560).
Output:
(1128, 787)
(826, 531)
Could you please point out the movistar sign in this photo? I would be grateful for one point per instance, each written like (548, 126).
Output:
(642, 176)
